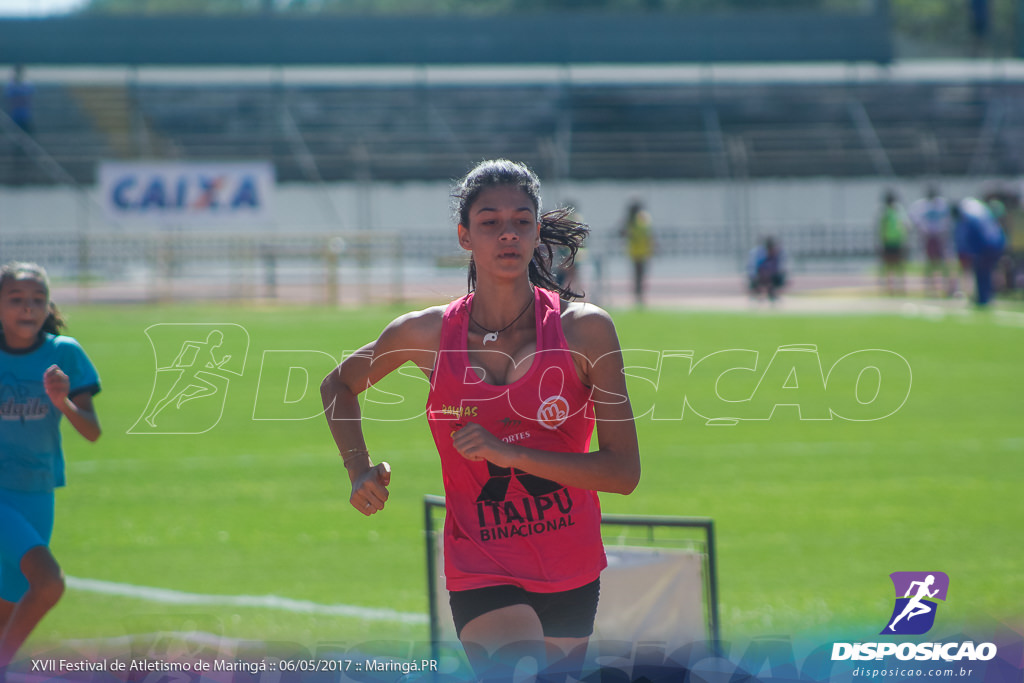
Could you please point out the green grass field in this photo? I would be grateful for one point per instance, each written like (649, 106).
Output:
(811, 516)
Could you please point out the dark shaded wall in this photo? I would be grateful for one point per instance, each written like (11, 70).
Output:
(541, 38)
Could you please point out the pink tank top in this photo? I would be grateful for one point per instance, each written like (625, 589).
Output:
(504, 526)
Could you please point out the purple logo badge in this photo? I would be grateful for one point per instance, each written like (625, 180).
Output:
(916, 595)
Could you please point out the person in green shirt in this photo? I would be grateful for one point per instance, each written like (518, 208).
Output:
(892, 225)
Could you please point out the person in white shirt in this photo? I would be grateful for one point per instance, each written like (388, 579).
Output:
(933, 222)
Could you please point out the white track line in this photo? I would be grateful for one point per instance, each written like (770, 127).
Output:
(173, 597)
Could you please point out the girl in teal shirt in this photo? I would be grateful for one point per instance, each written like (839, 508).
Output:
(44, 376)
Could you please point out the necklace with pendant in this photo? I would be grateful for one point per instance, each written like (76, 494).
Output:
(492, 335)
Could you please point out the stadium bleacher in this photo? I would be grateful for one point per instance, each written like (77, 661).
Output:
(579, 130)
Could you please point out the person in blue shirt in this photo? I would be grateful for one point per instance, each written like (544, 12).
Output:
(44, 376)
(979, 242)
(766, 269)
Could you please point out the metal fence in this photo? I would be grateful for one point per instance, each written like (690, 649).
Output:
(365, 267)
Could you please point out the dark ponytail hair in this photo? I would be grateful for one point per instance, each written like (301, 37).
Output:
(557, 227)
(16, 270)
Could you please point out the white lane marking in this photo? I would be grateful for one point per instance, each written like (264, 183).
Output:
(168, 596)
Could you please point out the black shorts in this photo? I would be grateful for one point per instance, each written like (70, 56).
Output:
(568, 614)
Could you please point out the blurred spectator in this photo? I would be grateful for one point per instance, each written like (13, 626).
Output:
(1005, 207)
(766, 269)
(931, 218)
(18, 96)
(640, 246)
(1013, 258)
(892, 227)
(996, 206)
(979, 243)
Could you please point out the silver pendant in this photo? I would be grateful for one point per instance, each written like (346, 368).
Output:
(489, 337)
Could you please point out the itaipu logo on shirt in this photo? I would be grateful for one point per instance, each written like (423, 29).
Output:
(546, 505)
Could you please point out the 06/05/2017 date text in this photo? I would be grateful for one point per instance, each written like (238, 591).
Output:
(359, 665)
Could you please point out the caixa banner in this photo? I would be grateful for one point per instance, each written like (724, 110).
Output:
(182, 193)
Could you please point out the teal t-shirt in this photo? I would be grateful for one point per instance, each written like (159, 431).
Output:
(31, 457)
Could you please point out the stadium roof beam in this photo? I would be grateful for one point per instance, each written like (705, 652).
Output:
(716, 141)
(869, 136)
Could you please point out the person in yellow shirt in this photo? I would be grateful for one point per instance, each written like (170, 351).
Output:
(639, 245)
